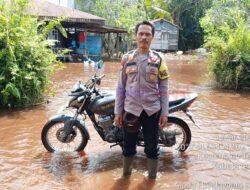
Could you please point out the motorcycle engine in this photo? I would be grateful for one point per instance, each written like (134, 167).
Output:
(111, 133)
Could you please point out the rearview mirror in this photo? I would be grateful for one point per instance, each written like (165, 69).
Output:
(99, 64)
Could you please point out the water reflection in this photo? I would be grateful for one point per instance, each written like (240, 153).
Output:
(74, 167)
(218, 157)
(62, 163)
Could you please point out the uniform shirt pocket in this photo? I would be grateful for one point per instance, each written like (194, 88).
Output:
(151, 74)
(131, 72)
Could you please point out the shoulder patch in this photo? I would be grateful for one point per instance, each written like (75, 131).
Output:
(163, 69)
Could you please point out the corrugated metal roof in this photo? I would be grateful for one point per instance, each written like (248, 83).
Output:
(160, 20)
(106, 29)
(95, 28)
(45, 9)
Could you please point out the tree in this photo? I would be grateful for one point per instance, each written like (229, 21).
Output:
(119, 13)
(186, 14)
(26, 61)
(157, 9)
(126, 13)
(226, 26)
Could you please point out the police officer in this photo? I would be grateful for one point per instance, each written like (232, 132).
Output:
(142, 99)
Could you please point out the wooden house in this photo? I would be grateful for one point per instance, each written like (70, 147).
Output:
(85, 31)
(166, 36)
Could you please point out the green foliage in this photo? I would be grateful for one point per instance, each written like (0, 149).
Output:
(186, 14)
(46, 26)
(228, 37)
(119, 13)
(157, 9)
(26, 61)
(126, 13)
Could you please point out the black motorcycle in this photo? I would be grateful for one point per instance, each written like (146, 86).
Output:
(69, 133)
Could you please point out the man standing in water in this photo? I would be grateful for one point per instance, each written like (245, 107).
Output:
(142, 99)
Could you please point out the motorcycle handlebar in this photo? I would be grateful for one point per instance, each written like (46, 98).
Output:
(102, 76)
(95, 80)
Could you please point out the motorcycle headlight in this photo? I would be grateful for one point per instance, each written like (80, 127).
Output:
(80, 99)
(79, 86)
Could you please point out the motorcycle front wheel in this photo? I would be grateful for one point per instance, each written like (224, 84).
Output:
(51, 137)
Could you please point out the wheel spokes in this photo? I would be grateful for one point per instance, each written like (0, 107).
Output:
(180, 137)
(57, 145)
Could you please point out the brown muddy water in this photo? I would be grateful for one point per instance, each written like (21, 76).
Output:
(218, 157)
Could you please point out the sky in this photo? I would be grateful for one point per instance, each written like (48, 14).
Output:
(65, 3)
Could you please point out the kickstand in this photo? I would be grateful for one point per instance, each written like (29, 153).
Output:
(114, 145)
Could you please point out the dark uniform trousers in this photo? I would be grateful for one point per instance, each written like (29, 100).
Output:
(150, 126)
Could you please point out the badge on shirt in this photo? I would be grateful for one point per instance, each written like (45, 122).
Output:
(131, 69)
(152, 77)
(152, 70)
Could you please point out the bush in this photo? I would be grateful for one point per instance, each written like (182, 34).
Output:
(26, 61)
(228, 38)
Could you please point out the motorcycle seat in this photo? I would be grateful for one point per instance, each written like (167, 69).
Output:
(176, 102)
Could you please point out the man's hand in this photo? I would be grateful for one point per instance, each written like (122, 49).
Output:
(163, 121)
(118, 120)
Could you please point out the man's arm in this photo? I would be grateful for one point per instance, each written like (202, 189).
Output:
(120, 89)
(163, 86)
(163, 92)
(164, 98)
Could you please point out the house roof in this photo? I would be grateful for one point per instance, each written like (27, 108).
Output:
(105, 29)
(44, 9)
(160, 20)
(95, 28)
(114, 29)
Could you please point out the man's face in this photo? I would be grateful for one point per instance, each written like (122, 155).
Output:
(144, 36)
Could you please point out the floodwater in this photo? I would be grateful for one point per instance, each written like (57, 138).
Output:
(218, 157)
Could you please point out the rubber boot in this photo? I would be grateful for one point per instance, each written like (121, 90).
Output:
(152, 168)
(127, 166)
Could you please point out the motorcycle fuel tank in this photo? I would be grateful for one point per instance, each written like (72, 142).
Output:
(104, 104)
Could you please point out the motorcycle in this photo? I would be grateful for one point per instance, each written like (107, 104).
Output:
(69, 133)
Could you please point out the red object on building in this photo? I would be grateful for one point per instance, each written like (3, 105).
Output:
(82, 37)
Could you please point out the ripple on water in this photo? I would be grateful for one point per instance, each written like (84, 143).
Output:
(219, 151)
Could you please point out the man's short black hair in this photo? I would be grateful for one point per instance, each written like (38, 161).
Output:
(145, 23)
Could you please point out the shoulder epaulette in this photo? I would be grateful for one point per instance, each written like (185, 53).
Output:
(131, 52)
(126, 56)
(158, 55)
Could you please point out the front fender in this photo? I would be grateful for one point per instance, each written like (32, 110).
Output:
(66, 118)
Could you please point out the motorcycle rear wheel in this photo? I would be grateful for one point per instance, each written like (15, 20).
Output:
(185, 130)
(55, 127)
(183, 126)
